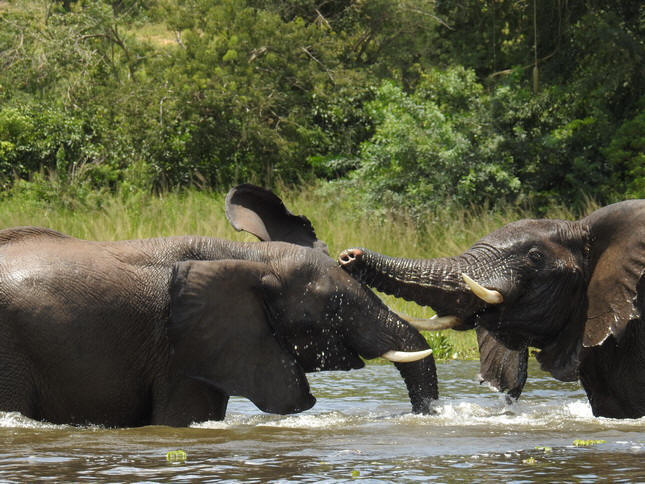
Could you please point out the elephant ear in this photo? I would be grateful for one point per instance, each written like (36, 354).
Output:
(503, 369)
(618, 261)
(221, 334)
(262, 213)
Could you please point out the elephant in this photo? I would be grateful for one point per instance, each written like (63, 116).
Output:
(162, 331)
(574, 290)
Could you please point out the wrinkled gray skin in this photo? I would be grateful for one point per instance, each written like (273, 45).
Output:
(162, 331)
(575, 290)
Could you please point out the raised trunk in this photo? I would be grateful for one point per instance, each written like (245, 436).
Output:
(430, 282)
(440, 283)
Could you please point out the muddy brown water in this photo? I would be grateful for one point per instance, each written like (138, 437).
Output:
(360, 429)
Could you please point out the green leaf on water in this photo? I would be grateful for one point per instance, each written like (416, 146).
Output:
(547, 450)
(176, 456)
(530, 461)
(587, 443)
(356, 473)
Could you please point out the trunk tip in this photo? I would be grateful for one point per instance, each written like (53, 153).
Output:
(349, 256)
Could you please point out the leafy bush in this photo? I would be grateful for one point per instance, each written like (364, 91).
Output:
(442, 349)
(416, 105)
(34, 137)
(431, 148)
(626, 153)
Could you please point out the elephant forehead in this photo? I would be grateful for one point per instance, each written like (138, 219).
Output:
(332, 280)
(532, 231)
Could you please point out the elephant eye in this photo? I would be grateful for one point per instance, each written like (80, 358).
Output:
(536, 256)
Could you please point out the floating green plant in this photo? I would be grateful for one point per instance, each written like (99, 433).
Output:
(587, 443)
(175, 456)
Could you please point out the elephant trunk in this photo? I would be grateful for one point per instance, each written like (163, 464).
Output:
(420, 377)
(438, 283)
(376, 331)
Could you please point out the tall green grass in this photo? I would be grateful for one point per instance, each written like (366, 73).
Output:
(125, 215)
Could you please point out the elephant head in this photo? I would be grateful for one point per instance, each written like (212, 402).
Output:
(574, 290)
(293, 308)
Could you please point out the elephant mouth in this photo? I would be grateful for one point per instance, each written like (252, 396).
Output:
(461, 323)
(483, 310)
(495, 320)
(456, 323)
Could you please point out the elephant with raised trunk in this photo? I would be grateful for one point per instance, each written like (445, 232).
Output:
(574, 290)
(162, 331)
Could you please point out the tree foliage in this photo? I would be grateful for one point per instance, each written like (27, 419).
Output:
(415, 104)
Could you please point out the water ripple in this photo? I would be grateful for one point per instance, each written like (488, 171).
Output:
(361, 427)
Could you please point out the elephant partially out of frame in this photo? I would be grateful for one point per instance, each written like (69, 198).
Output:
(162, 331)
(574, 290)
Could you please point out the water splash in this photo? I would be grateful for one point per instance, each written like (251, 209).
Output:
(17, 420)
(325, 420)
(360, 424)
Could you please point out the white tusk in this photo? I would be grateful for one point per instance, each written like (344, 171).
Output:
(487, 295)
(406, 356)
(435, 323)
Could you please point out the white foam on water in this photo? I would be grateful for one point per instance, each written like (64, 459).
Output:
(308, 421)
(303, 420)
(466, 413)
(449, 412)
(578, 409)
(518, 414)
(211, 424)
(18, 420)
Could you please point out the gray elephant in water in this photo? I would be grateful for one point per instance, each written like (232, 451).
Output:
(574, 290)
(162, 331)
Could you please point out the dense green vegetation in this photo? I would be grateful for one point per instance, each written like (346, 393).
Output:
(411, 105)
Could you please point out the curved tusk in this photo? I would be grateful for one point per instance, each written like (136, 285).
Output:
(487, 295)
(435, 323)
(406, 356)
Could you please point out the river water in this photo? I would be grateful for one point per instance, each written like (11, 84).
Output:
(360, 429)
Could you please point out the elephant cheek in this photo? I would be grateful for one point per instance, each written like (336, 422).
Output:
(325, 352)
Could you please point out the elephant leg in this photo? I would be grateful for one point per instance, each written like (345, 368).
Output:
(189, 401)
(612, 377)
(17, 391)
(17, 394)
(595, 377)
